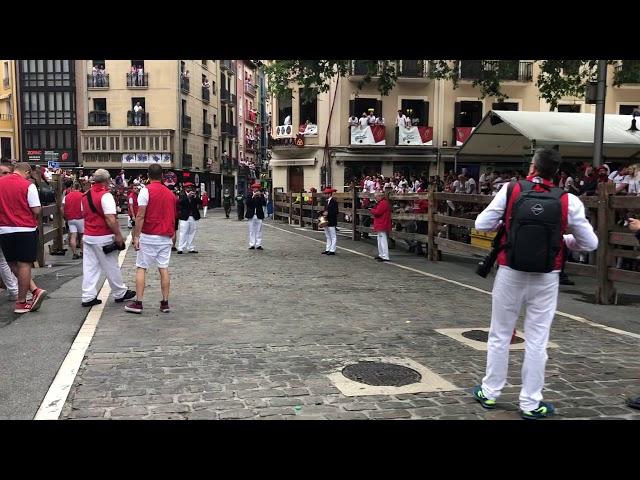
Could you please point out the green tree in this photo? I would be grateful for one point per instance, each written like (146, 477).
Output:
(557, 78)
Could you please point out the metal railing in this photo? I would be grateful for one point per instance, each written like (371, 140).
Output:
(250, 144)
(206, 129)
(187, 160)
(252, 117)
(137, 120)
(229, 130)
(184, 84)
(627, 72)
(99, 118)
(229, 65)
(206, 94)
(412, 68)
(514, 70)
(97, 81)
(135, 80)
(186, 122)
(224, 95)
(361, 67)
(6, 116)
(250, 89)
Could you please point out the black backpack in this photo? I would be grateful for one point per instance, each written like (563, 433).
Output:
(535, 230)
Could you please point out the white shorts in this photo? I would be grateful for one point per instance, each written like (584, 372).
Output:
(150, 255)
(76, 226)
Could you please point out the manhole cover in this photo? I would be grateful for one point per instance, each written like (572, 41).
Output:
(483, 336)
(381, 374)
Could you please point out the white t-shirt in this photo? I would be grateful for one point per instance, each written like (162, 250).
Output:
(137, 108)
(471, 186)
(364, 121)
(634, 187)
(287, 120)
(400, 121)
(33, 199)
(143, 201)
(458, 187)
(108, 205)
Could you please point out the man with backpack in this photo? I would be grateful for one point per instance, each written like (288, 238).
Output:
(536, 218)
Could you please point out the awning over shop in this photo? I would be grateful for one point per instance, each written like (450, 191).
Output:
(514, 134)
(292, 162)
(386, 156)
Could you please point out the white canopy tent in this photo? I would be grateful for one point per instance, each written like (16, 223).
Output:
(515, 134)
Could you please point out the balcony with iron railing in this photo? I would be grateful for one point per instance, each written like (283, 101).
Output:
(97, 82)
(184, 84)
(137, 81)
(206, 94)
(99, 118)
(252, 117)
(413, 70)
(6, 120)
(139, 119)
(229, 129)
(506, 70)
(227, 97)
(206, 129)
(360, 68)
(250, 144)
(627, 73)
(187, 160)
(228, 65)
(250, 89)
(186, 123)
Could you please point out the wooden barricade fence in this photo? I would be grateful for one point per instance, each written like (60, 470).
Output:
(603, 210)
(54, 229)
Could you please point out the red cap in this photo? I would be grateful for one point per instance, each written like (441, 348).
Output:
(329, 190)
(187, 184)
(256, 186)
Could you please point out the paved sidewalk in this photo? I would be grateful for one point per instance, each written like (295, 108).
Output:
(255, 334)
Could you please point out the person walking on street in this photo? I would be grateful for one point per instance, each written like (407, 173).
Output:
(240, 205)
(72, 210)
(102, 239)
(537, 215)
(382, 225)
(331, 212)
(255, 215)
(132, 205)
(152, 237)
(19, 210)
(189, 216)
(226, 202)
(205, 204)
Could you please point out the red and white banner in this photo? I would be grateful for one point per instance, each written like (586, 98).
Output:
(415, 136)
(369, 135)
(462, 134)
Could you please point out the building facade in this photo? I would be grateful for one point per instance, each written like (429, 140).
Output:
(333, 152)
(9, 132)
(229, 127)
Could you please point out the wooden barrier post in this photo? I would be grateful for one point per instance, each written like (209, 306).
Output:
(290, 208)
(301, 209)
(314, 203)
(355, 235)
(605, 292)
(431, 232)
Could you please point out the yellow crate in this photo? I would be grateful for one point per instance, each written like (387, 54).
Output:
(482, 239)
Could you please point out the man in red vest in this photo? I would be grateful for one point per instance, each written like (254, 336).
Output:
(72, 209)
(132, 205)
(101, 230)
(382, 225)
(152, 237)
(535, 288)
(19, 210)
(205, 204)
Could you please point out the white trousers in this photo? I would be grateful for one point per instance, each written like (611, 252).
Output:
(255, 232)
(94, 263)
(383, 245)
(8, 278)
(332, 238)
(538, 292)
(188, 230)
(204, 211)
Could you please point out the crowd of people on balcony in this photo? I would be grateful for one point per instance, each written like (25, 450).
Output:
(137, 75)
(98, 76)
(366, 119)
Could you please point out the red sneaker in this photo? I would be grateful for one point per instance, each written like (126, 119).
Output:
(134, 307)
(164, 306)
(38, 297)
(22, 307)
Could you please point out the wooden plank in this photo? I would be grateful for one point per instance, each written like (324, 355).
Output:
(464, 198)
(617, 275)
(345, 225)
(365, 229)
(409, 196)
(409, 236)
(580, 269)
(590, 202)
(365, 212)
(466, 248)
(423, 217)
(625, 201)
(458, 221)
(618, 252)
(605, 292)
(621, 238)
(50, 235)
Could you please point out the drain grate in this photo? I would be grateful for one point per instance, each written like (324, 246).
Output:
(483, 336)
(381, 374)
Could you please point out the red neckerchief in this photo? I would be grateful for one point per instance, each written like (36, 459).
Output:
(548, 183)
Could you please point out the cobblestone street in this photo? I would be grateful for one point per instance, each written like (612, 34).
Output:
(256, 334)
